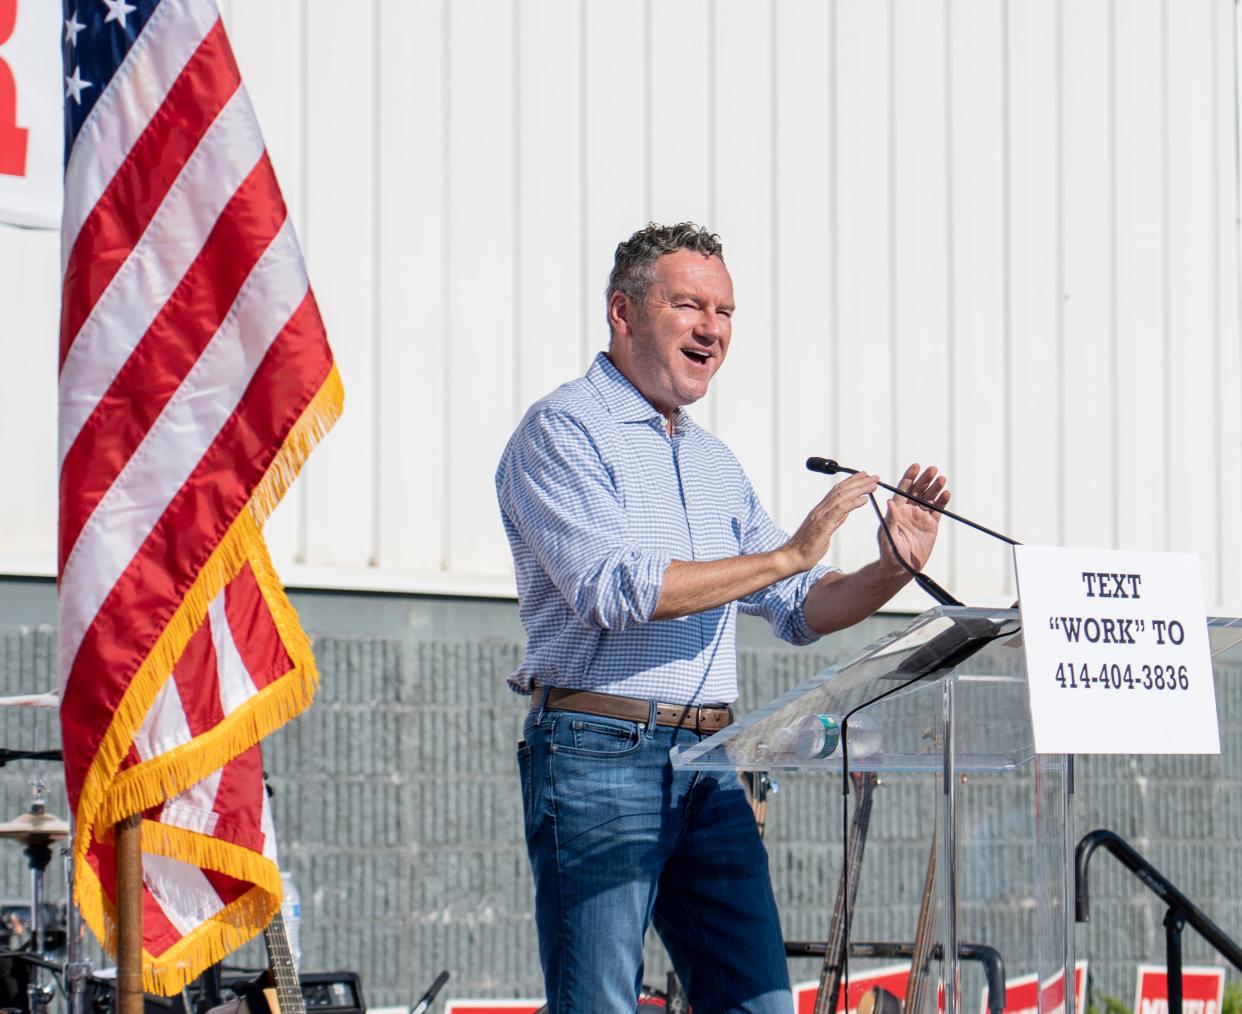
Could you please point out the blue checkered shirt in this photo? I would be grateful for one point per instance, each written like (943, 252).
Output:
(596, 499)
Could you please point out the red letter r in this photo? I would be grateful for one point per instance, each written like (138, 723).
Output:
(12, 137)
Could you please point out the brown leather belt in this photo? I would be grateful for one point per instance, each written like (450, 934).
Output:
(633, 709)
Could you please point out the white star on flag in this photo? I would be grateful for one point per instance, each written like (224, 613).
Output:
(117, 9)
(72, 27)
(75, 85)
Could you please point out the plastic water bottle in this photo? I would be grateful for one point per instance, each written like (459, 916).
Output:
(291, 911)
(864, 736)
(817, 737)
(811, 737)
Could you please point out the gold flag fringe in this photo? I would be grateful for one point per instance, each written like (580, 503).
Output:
(151, 782)
(106, 798)
(213, 940)
(208, 943)
(315, 421)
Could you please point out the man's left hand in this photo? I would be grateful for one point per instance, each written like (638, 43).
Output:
(914, 528)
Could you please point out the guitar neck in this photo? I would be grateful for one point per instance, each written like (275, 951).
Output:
(847, 890)
(284, 972)
(924, 938)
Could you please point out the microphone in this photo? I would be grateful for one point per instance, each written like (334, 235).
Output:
(827, 466)
(830, 467)
(424, 1001)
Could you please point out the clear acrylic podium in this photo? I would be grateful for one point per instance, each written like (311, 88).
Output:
(954, 704)
(954, 709)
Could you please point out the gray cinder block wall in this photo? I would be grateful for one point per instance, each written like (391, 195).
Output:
(398, 810)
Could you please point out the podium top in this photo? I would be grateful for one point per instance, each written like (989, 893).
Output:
(952, 661)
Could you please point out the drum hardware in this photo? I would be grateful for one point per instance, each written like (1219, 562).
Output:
(16, 923)
(77, 969)
(36, 830)
(99, 993)
(675, 1000)
(758, 785)
(50, 930)
(15, 755)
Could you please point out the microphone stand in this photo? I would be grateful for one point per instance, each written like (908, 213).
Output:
(943, 651)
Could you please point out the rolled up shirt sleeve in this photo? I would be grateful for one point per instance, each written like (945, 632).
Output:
(560, 503)
(780, 603)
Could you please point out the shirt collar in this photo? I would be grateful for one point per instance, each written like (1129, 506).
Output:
(622, 399)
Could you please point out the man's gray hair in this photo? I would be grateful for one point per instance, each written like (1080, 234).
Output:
(633, 268)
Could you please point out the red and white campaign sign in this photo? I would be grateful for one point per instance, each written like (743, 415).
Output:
(1025, 995)
(32, 138)
(520, 1006)
(1203, 990)
(891, 977)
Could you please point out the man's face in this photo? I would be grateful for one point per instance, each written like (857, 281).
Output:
(671, 344)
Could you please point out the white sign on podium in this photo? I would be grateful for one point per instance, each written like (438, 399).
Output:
(1117, 652)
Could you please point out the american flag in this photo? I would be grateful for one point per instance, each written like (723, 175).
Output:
(195, 377)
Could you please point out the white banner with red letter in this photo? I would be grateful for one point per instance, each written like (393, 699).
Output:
(32, 140)
(1027, 995)
(1203, 990)
(890, 977)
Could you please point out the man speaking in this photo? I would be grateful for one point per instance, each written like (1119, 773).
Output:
(636, 538)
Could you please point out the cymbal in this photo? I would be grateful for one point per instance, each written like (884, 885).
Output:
(35, 828)
(49, 700)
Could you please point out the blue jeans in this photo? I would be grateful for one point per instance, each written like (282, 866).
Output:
(619, 840)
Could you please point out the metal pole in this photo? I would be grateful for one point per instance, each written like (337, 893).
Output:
(1067, 883)
(951, 980)
(39, 991)
(1173, 923)
(129, 993)
(77, 971)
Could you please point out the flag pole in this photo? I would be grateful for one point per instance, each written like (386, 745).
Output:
(129, 992)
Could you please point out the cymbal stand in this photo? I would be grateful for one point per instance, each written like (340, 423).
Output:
(38, 855)
(77, 968)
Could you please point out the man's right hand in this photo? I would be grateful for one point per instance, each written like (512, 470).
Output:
(810, 542)
(696, 586)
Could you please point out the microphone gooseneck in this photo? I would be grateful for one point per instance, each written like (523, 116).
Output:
(921, 579)
(829, 467)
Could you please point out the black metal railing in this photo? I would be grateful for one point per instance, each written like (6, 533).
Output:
(989, 957)
(1179, 909)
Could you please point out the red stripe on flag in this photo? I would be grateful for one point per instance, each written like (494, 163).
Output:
(228, 888)
(169, 349)
(133, 758)
(254, 631)
(102, 858)
(198, 682)
(158, 933)
(155, 925)
(239, 801)
(131, 198)
(145, 597)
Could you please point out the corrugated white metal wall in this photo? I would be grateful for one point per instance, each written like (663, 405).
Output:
(998, 235)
